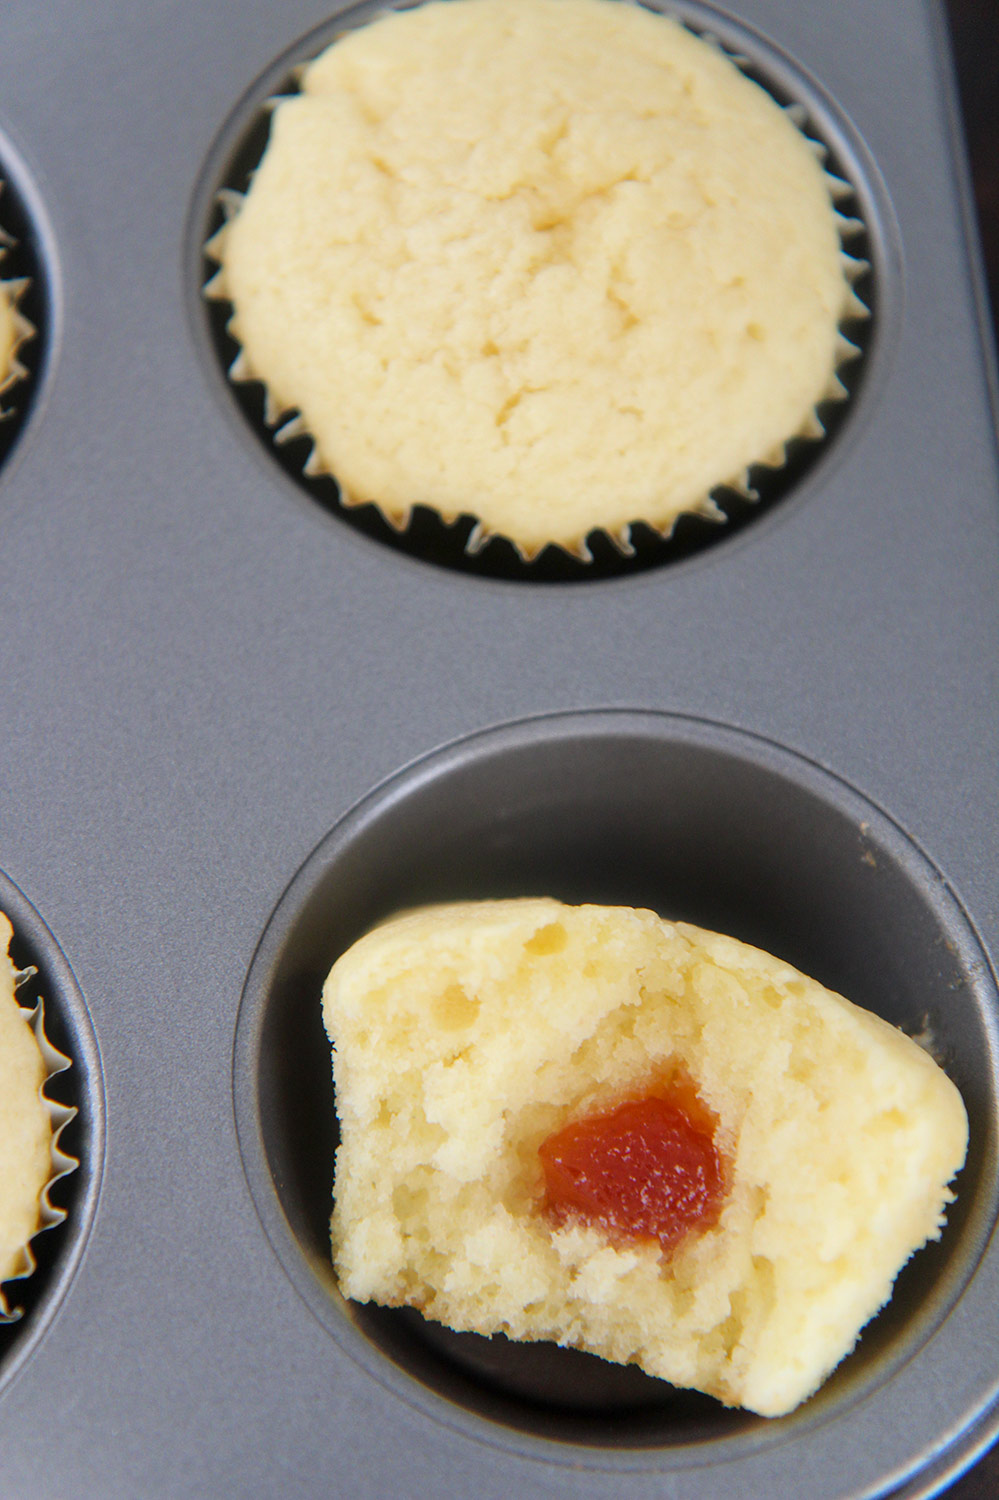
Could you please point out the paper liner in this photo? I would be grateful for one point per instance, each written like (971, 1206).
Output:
(49, 1214)
(14, 290)
(286, 424)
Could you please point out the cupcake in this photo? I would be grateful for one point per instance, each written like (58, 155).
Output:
(558, 264)
(30, 1124)
(637, 1138)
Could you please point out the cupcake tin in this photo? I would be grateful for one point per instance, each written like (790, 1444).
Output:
(242, 727)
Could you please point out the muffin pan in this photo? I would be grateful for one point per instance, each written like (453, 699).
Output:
(213, 682)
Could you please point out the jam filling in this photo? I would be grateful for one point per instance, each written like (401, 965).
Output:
(646, 1169)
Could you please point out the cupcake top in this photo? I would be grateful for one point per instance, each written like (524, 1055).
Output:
(25, 1124)
(557, 263)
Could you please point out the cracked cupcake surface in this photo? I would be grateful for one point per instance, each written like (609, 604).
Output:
(556, 263)
(25, 1125)
(793, 1149)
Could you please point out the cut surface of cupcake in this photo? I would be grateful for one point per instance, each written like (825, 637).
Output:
(655, 1143)
(30, 1159)
(555, 263)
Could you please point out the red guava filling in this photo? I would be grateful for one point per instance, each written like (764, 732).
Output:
(646, 1169)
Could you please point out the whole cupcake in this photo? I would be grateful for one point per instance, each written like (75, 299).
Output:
(555, 263)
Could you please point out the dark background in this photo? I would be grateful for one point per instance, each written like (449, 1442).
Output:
(974, 30)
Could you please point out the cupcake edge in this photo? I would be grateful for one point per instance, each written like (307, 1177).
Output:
(60, 1115)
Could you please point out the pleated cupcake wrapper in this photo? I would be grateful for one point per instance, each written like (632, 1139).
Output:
(23, 330)
(49, 1214)
(285, 424)
(14, 290)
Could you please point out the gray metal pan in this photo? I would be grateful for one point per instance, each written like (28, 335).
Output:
(239, 728)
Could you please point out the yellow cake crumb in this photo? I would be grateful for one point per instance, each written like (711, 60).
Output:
(465, 1035)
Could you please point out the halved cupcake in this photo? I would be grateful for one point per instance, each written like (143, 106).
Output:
(631, 1136)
